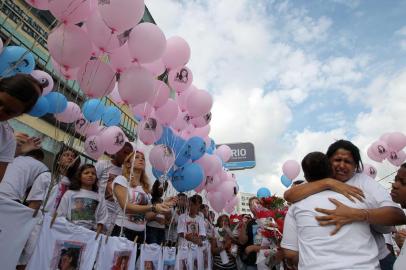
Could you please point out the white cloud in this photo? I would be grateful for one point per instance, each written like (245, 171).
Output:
(402, 35)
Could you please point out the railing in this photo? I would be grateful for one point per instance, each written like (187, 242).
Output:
(23, 28)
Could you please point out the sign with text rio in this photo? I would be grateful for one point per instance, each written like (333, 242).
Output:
(243, 156)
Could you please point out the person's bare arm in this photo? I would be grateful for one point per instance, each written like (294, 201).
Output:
(300, 192)
(3, 168)
(243, 237)
(34, 204)
(292, 257)
(343, 214)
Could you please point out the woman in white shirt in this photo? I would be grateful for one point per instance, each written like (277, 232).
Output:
(131, 191)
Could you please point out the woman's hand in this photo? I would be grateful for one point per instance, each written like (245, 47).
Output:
(348, 191)
(171, 201)
(339, 217)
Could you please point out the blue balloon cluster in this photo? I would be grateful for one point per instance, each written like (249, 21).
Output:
(93, 110)
(53, 102)
(263, 192)
(16, 59)
(286, 181)
(111, 116)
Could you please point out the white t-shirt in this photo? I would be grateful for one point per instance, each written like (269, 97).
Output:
(117, 253)
(40, 188)
(376, 196)
(353, 247)
(400, 263)
(156, 224)
(84, 207)
(172, 230)
(189, 225)
(20, 175)
(106, 172)
(138, 196)
(64, 243)
(7, 142)
(151, 257)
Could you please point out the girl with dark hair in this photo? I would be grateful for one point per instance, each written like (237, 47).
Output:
(156, 222)
(82, 204)
(18, 94)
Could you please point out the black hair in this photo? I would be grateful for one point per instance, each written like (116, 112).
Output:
(203, 206)
(182, 194)
(73, 254)
(403, 166)
(194, 199)
(348, 146)
(316, 166)
(220, 218)
(23, 87)
(157, 194)
(38, 154)
(76, 183)
(73, 168)
(199, 198)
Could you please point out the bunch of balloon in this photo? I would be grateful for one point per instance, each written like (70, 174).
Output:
(389, 146)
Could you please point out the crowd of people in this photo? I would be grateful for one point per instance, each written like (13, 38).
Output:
(338, 218)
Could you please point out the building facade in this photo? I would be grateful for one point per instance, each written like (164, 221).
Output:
(243, 206)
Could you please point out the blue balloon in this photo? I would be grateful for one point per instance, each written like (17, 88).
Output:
(93, 109)
(40, 108)
(184, 155)
(16, 59)
(197, 146)
(57, 102)
(286, 181)
(178, 144)
(263, 192)
(158, 174)
(111, 116)
(187, 177)
(167, 137)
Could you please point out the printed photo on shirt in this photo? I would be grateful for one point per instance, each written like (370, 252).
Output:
(193, 228)
(108, 193)
(83, 208)
(121, 259)
(67, 255)
(169, 258)
(150, 265)
(138, 198)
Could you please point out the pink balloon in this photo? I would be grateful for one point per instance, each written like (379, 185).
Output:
(161, 157)
(201, 132)
(96, 79)
(291, 169)
(370, 170)
(177, 53)
(113, 139)
(144, 110)
(372, 156)
(94, 147)
(71, 113)
(149, 131)
(121, 15)
(81, 125)
(397, 158)
(69, 45)
(180, 79)
(70, 11)
(157, 67)
(101, 35)
(93, 129)
(228, 189)
(181, 98)
(230, 205)
(223, 174)
(167, 113)
(201, 121)
(396, 141)
(380, 149)
(120, 59)
(147, 42)
(187, 132)
(201, 187)
(67, 73)
(39, 4)
(216, 200)
(45, 80)
(211, 164)
(136, 85)
(199, 102)
(161, 94)
(180, 122)
(115, 95)
(224, 152)
(212, 183)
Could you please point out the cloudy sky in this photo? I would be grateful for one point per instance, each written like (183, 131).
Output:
(293, 76)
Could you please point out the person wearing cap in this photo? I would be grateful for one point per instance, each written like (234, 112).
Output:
(398, 194)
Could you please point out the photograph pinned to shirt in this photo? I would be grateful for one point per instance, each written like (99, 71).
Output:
(67, 255)
(83, 208)
(151, 257)
(169, 258)
(121, 260)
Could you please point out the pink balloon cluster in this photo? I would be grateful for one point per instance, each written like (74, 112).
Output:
(291, 169)
(390, 147)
